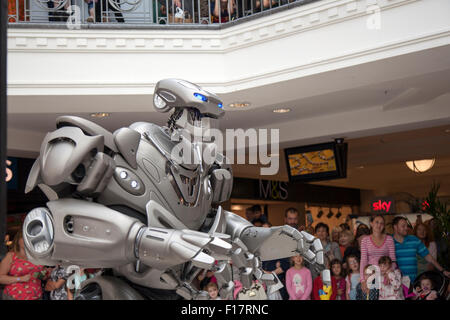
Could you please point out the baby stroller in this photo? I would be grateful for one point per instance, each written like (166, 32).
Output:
(439, 280)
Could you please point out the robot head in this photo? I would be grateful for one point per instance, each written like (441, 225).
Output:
(180, 94)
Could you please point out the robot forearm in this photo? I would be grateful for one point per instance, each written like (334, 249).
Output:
(92, 235)
(80, 232)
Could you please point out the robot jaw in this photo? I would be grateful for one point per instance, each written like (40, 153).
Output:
(176, 93)
(190, 124)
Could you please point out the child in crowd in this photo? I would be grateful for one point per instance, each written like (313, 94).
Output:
(298, 280)
(321, 291)
(85, 274)
(205, 277)
(353, 278)
(391, 280)
(337, 271)
(56, 285)
(213, 291)
(426, 290)
(373, 291)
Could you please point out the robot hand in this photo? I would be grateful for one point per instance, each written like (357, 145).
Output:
(163, 248)
(285, 241)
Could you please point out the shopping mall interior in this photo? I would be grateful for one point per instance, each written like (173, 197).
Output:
(317, 72)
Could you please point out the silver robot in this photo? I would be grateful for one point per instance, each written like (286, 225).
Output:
(144, 202)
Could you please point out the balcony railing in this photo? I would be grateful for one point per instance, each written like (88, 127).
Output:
(97, 13)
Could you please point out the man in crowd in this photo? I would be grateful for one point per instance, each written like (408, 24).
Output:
(291, 217)
(258, 215)
(280, 266)
(249, 214)
(407, 247)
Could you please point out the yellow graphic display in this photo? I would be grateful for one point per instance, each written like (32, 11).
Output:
(312, 162)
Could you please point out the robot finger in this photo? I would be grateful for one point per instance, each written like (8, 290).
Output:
(246, 277)
(309, 256)
(220, 246)
(326, 277)
(242, 259)
(223, 274)
(226, 291)
(258, 273)
(308, 237)
(237, 243)
(198, 239)
(268, 279)
(317, 244)
(203, 260)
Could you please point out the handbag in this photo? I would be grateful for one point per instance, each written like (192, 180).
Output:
(255, 292)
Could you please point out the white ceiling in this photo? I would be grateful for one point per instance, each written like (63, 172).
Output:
(390, 110)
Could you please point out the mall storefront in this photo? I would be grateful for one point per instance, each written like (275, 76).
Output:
(275, 197)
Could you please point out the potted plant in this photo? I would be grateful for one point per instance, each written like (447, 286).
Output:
(440, 211)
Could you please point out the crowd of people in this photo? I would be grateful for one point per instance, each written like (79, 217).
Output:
(179, 11)
(367, 264)
(23, 280)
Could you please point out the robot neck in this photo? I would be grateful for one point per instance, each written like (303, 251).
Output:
(191, 125)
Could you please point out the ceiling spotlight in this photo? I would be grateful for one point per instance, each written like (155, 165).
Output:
(281, 110)
(238, 105)
(330, 214)
(320, 213)
(420, 166)
(100, 115)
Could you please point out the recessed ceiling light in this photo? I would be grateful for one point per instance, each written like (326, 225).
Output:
(281, 110)
(360, 167)
(239, 104)
(99, 115)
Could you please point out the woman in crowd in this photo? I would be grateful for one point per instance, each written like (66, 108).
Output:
(361, 231)
(422, 232)
(330, 249)
(374, 246)
(21, 278)
(346, 240)
(335, 234)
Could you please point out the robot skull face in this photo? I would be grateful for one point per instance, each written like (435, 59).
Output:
(176, 93)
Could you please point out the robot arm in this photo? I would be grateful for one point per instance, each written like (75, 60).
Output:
(92, 235)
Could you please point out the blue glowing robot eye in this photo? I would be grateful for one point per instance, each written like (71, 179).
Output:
(200, 97)
(220, 105)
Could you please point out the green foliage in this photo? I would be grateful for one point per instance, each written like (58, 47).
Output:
(438, 210)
